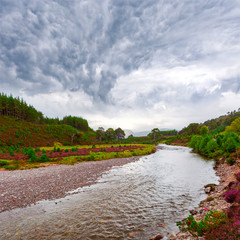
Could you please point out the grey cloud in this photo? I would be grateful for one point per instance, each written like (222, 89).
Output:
(49, 42)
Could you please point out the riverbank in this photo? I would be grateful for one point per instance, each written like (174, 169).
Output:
(215, 200)
(21, 188)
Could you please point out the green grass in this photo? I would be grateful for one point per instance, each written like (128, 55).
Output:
(70, 160)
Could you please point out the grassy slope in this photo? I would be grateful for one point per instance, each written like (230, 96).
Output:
(17, 132)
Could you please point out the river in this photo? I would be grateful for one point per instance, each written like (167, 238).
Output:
(134, 201)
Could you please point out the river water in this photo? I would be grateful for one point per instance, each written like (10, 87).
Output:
(134, 201)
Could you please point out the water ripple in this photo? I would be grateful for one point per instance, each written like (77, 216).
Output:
(134, 201)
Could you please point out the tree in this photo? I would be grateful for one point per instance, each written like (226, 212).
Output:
(235, 126)
(100, 133)
(110, 134)
(204, 130)
(191, 129)
(76, 122)
(195, 141)
(155, 133)
(120, 134)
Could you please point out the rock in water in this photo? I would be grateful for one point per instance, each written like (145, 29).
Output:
(207, 189)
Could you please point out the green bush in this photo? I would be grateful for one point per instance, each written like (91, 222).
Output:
(56, 149)
(3, 163)
(43, 158)
(230, 145)
(91, 157)
(230, 161)
(37, 150)
(212, 220)
(44, 151)
(203, 145)
(211, 147)
(11, 151)
(194, 142)
(10, 167)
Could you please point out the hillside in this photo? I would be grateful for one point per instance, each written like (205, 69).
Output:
(222, 121)
(20, 133)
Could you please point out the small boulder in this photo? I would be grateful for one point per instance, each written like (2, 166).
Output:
(207, 189)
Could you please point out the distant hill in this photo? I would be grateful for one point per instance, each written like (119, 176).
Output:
(141, 134)
(128, 133)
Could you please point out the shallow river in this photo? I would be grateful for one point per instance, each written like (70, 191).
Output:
(134, 201)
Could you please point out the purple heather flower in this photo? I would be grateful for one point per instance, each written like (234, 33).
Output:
(231, 196)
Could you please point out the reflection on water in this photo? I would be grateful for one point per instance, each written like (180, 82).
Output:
(135, 201)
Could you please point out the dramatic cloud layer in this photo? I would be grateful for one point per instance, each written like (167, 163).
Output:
(135, 64)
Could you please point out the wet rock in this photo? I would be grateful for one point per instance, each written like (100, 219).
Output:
(207, 189)
(211, 185)
(157, 237)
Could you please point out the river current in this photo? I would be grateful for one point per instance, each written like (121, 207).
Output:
(134, 201)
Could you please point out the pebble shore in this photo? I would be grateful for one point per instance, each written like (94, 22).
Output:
(21, 188)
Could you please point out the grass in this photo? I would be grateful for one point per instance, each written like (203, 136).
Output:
(90, 153)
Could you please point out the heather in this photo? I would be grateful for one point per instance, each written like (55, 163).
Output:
(30, 157)
(219, 224)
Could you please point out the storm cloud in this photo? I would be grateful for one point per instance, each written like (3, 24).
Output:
(134, 63)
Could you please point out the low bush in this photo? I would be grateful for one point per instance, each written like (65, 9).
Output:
(3, 163)
(230, 161)
(212, 220)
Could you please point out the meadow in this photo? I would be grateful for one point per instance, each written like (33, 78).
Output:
(29, 157)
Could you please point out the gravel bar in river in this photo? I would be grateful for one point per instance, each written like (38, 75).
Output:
(20, 188)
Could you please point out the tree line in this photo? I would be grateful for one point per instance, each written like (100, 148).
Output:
(18, 108)
(110, 134)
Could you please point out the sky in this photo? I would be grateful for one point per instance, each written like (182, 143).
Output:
(133, 64)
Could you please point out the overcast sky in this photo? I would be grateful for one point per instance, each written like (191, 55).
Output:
(133, 64)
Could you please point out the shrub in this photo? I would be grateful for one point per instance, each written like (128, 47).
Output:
(212, 220)
(44, 158)
(3, 163)
(212, 146)
(44, 151)
(209, 199)
(37, 150)
(10, 167)
(231, 195)
(56, 149)
(194, 141)
(228, 229)
(230, 145)
(230, 161)
(203, 145)
(91, 158)
(11, 151)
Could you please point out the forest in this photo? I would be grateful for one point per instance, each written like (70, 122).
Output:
(18, 108)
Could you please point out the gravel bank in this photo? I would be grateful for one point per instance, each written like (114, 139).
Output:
(24, 187)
